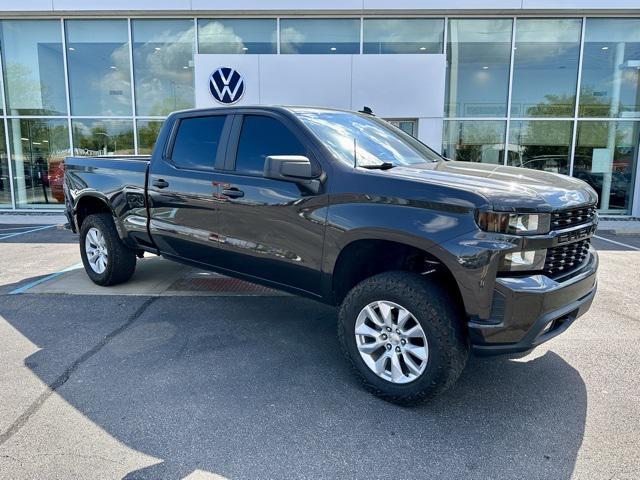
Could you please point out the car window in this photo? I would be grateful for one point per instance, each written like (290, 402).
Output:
(197, 142)
(261, 137)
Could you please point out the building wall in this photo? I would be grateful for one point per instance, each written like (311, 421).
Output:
(531, 85)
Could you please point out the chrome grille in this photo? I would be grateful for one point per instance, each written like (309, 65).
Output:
(572, 217)
(565, 257)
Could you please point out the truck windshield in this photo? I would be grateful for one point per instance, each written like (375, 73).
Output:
(365, 140)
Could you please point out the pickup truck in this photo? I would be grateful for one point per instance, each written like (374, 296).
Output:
(428, 259)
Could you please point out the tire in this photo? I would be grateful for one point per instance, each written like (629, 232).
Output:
(120, 261)
(437, 314)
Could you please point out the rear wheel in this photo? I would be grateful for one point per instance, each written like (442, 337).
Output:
(107, 260)
(404, 336)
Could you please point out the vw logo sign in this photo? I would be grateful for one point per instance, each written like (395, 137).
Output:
(226, 85)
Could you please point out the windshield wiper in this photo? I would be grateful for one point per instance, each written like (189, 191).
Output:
(380, 166)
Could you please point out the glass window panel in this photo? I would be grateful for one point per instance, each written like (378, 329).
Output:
(403, 35)
(5, 178)
(197, 141)
(606, 158)
(478, 57)
(163, 65)
(253, 35)
(474, 140)
(261, 137)
(38, 148)
(102, 137)
(148, 131)
(33, 67)
(311, 35)
(407, 126)
(545, 67)
(540, 144)
(98, 63)
(610, 85)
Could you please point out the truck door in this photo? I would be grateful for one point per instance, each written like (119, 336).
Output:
(183, 194)
(270, 229)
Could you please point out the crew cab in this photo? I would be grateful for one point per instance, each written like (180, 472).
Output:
(427, 259)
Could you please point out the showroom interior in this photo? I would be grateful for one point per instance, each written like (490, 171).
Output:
(556, 92)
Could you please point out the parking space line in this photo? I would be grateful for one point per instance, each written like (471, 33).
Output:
(11, 235)
(24, 227)
(617, 243)
(35, 283)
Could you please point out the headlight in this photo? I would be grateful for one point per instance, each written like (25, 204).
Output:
(527, 260)
(514, 223)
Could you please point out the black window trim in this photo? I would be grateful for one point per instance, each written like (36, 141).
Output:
(222, 144)
(234, 141)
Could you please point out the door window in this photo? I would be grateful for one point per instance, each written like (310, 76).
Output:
(261, 137)
(197, 141)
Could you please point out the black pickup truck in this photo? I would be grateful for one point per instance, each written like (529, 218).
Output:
(427, 258)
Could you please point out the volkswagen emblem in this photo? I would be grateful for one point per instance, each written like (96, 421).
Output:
(226, 85)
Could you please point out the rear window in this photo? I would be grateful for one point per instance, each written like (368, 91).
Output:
(197, 141)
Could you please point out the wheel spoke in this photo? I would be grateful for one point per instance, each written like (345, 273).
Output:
(414, 332)
(371, 347)
(380, 364)
(366, 330)
(403, 316)
(411, 364)
(373, 316)
(417, 351)
(385, 311)
(396, 368)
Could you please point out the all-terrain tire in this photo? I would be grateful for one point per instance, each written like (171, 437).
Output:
(439, 315)
(121, 260)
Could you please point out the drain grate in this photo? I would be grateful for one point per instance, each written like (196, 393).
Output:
(220, 284)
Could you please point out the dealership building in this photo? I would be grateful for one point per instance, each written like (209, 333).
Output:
(550, 85)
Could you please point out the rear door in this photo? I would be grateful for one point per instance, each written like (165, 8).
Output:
(183, 193)
(271, 229)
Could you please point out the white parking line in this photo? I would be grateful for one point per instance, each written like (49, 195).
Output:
(11, 235)
(24, 227)
(28, 286)
(617, 243)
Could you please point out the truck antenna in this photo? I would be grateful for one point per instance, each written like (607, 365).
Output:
(355, 153)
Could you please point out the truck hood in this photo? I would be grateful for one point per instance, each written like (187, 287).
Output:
(506, 188)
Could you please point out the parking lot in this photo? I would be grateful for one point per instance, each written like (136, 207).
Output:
(186, 374)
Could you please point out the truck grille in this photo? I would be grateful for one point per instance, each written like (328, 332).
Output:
(572, 217)
(565, 257)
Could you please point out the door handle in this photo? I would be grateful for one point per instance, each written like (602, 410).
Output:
(232, 192)
(160, 183)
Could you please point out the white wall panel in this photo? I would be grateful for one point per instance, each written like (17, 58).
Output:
(289, 5)
(580, 4)
(399, 86)
(30, 6)
(124, 5)
(430, 132)
(318, 80)
(438, 5)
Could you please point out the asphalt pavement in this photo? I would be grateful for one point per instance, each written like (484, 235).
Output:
(173, 385)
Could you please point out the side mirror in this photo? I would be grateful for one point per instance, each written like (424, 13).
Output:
(292, 168)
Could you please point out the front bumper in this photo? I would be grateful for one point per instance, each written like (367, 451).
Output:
(527, 311)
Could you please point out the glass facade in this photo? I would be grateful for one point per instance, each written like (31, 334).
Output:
(320, 36)
(556, 94)
(98, 65)
(251, 36)
(533, 88)
(38, 147)
(474, 141)
(402, 35)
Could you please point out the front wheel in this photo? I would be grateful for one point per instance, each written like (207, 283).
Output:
(403, 335)
(107, 260)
